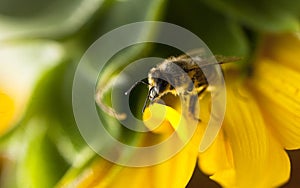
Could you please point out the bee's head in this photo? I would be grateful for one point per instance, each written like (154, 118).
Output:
(156, 87)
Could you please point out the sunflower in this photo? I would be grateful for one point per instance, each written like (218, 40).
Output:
(261, 122)
(40, 46)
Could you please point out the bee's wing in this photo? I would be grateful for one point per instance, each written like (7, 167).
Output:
(193, 53)
(197, 58)
(227, 59)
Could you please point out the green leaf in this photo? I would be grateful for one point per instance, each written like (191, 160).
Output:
(126, 12)
(222, 35)
(54, 91)
(37, 161)
(271, 16)
(119, 14)
(20, 19)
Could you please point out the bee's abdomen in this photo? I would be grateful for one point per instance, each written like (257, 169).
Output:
(198, 77)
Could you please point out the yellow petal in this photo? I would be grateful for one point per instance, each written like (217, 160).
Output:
(155, 115)
(217, 157)
(284, 49)
(174, 172)
(7, 110)
(278, 91)
(252, 145)
(226, 178)
(278, 164)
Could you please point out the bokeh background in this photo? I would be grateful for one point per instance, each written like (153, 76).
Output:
(41, 42)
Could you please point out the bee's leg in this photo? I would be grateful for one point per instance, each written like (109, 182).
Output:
(200, 93)
(192, 106)
(191, 100)
(194, 98)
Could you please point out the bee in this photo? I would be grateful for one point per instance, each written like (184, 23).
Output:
(181, 76)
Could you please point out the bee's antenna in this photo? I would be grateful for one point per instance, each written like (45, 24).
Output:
(134, 85)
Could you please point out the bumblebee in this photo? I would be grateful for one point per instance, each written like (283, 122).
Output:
(182, 76)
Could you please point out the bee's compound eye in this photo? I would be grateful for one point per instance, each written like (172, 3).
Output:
(153, 93)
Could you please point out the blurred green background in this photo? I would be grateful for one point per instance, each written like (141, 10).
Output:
(41, 42)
